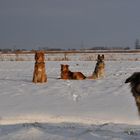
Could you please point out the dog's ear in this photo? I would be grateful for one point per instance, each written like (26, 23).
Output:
(103, 56)
(98, 57)
(35, 55)
(131, 78)
(128, 80)
(135, 77)
(67, 65)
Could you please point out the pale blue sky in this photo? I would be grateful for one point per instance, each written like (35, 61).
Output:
(68, 23)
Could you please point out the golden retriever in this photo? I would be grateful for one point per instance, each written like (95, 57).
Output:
(39, 75)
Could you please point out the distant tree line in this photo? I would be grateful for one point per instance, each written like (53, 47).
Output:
(15, 50)
(109, 48)
(49, 49)
(8, 50)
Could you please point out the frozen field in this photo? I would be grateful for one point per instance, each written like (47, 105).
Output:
(67, 110)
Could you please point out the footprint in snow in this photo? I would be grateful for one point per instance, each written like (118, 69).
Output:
(68, 83)
(75, 97)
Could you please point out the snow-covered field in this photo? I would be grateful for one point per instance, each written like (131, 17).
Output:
(67, 110)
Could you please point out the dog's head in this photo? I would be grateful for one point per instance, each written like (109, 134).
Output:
(134, 81)
(100, 58)
(64, 68)
(39, 56)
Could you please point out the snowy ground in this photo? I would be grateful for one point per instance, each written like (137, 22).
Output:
(67, 110)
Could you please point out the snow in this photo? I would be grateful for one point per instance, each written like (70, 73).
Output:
(67, 109)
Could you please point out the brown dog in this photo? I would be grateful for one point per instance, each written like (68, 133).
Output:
(67, 74)
(39, 75)
(134, 81)
(99, 71)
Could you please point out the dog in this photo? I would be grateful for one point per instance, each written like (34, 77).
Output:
(67, 74)
(99, 71)
(134, 81)
(39, 75)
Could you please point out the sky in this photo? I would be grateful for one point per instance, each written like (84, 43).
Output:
(31, 24)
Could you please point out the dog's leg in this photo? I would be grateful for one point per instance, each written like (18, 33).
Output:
(43, 78)
(35, 78)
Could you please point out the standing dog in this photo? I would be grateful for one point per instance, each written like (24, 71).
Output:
(99, 70)
(39, 75)
(67, 74)
(134, 81)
